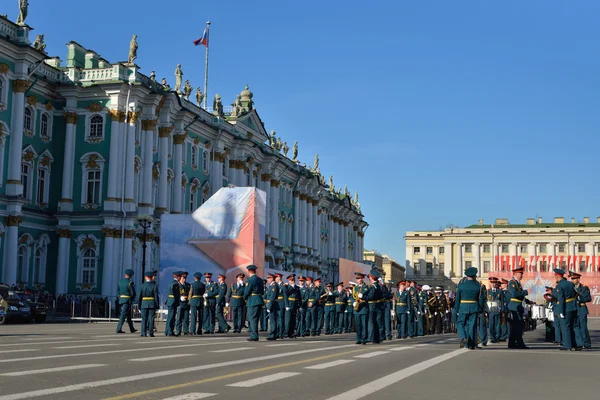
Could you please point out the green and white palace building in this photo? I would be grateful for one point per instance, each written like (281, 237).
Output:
(88, 146)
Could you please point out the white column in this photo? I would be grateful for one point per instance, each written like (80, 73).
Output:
(477, 250)
(178, 141)
(296, 239)
(148, 138)
(267, 188)
(130, 164)
(128, 255)
(309, 229)
(163, 185)
(341, 239)
(301, 221)
(13, 178)
(551, 253)
(66, 197)
(316, 229)
(274, 209)
(447, 259)
(436, 260)
(330, 233)
(108, 273)
(216, 174)
(460, 267)
(513, 253)
(121, 163)
(62, 268)
(531, 250)
(113, 155)
(345, 240)
(10, 249)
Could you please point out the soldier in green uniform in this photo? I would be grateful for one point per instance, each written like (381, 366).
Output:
(468, 303)
(516, 294)
(374, 298)
(349, 313)
(329, 310)
(253, 295)
(235, 298)
(483, 318)
(319, 306)
(173, 297)
(197, 304)
(549, 304)
(582, 334)
(494, 307)
(272, 306)
(361, 312)
(310, 308)
(422, 307)
(340, 308)
(302, 304)
(126, 292)
(212, 291)
(291, 300)
(264, 321)
(183, 314)
(402, 301)
(148, 303)
(413, 306)
(222, 304)
(505, 327)
(567, 309)
(387, 312)
(280, 301)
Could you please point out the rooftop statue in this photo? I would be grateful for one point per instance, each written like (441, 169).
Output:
(153, 76)
(133, 47)
(295, 152)
(39, 43)
(217, 106)
(237, 107)
(331, 185)
(272, 139)
(316, 163)
(187, 90)
(23, 5)
(165, 85)
(178, 79)
(199, 97)
(285, 149)
(278, 145)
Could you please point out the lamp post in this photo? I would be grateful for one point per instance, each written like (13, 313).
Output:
(145, 222)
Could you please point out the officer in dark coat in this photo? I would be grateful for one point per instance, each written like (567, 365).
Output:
(302, 304)
(126, 292)
(197, 304)
(148, 304)
(272, 306)
(319, 308)
(253, 295)
(173, 297)
(566, 305)
(387, 312)
(516, 295)
(183, 312)
(291, 299)
(468, 304)
(374, 298)
(361, 308)
(212, 291)
(235, 299)
(340, 308)
(330, 316)
(222, 305)
(582, 334)
(349, 313)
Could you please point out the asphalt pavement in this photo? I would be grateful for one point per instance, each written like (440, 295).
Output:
(90, 361)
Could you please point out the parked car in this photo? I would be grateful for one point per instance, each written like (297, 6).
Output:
(38, 310)
(15, 308)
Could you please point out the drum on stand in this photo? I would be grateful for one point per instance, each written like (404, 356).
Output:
(538, 312)
(550, 314)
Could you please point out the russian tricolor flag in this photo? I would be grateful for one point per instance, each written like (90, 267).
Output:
(203, 40)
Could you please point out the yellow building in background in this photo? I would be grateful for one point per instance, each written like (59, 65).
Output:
(387, 267)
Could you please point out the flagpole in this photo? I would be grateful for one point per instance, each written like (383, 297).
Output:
(206, 64)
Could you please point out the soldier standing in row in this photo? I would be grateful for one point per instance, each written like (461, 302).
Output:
(387, 312)
(468, 303)
(582, 334)
(126, 291)
(303, 293)
(291, 299)
(413, 306)
(264, 321)
(340, 308)
(172, 304)
(483, 317)
(402, 301)
(221, 304)
(212, 291)
(197, 304)
(253, 295)
(361, 312)
(422, 310)
(319, 306)
(505, 328)
(310, 308)
(272, 306)
(329, 310)
(516, 294)
(148, 303)
(349, 313)
(182, 324)
(494, 304)
(374, 298)
(235, 298)
(280, 302)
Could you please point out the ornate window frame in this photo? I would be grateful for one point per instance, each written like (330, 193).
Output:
(49, 124)
(88, 126)
(3, 92)
(184, 185)
(88, 249)
(170, 177)
(28, 157)
(41, 245)
(25, 244)
(28, 130)
(45, 161)
(91, 161)
(137, 181)
(205, 192)
(205, 162)
(4, 133)
(193, 201)
(194, 156)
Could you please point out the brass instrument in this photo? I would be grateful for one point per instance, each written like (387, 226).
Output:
(357, 300)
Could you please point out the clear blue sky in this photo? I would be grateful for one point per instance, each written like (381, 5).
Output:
(438, 112)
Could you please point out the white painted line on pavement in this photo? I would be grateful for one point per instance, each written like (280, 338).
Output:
(69, 341)
(17, 351)
(94, 353)
(373, 354)
(264, 379)
(231, 350)
(48, 338)
(45, 370)
(382, 383)
(154, 341)
(191, 396)
(85, 346)
(329, 364)
(281, 344)
(400, 348)
(158, 374)
(161, 357)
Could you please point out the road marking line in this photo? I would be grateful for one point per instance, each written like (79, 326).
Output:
(329, 364)
(17, 351)
(230, 350)
(161, 357)
(48, 338)
(69, 341)
(382, 383)
(281, 344)
(155, 341)
(159, 374)
(95, 353)
(400, 348)
(191, 396)
(264, 379)
(85, 346)
(373, 354)
(233, 375)
(45, 370)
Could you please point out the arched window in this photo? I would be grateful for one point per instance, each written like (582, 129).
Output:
(26, 179)
(194, 155)
(42, 186)
(88, 266)
(38, 276)
(1, 90)
(96, 126)
(44, 126)
(22, 264)
(28, 119)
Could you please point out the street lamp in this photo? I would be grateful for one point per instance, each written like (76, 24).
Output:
(145, 222)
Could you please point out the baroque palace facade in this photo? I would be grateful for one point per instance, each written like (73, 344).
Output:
(440, 257)
(88, 147)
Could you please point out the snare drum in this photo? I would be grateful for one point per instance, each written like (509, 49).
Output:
(538, 312)
(493, 306)
(550, 314)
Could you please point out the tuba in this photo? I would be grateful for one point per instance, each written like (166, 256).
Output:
(357, 301)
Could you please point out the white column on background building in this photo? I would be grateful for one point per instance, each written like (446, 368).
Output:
(163, 185)
(589, 252)
(436, 260)
(309, 229)
(62, 267)
(114, 154)
(13, 178)
(266, 178)
(341, 239)
(231, 173)
(477, 250)
(148, 126)
(130, 161)
(551, 254)
(66, 195)
(178, 141)
(275, 209)
(513, 255)
(331, 239)
(531, 251)
(108, 272)
(448, 260)
(296, 240)
(216, 173)
(460, 267)
(11, 239)
(345, 240)
(572, 254)
(128, 255)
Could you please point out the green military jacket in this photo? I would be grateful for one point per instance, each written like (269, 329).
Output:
(363, 306)
(516, 295)
(222, 294)
(198, 289)
(213, 291)
(402, 302)
(565, 296)
(126, 291)
(291, 297)
(271, 302)
(184, 291)
(173, 295)
(468, 297)
(235, 297)
(583, 296)
(149, 296)
(340, 301)
(253, 294)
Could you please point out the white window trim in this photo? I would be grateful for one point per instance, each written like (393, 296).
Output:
(88, 122)
(29, 132)
(205, 162)
(25, 262)
(48, 138)
(194, 160)
(5, 134)
(31, 163)
(205, 192)
(81, 240)
(42, 245)
(48, 169)
(183, 191)
(100, 161)
(170, 179)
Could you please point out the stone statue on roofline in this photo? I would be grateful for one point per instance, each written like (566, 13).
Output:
(178, 79)
(331, 185)
(39, 43)
(23, 5)
(295, 152)
(165, 85)
(199, 97)
(279, 145)
(153, 76)
(217, 106)
(187, 90)
(285, 149)
(346, 191)
(355, 200)
(133, 47)
(237, 107)
(316, 163)
(272, 139)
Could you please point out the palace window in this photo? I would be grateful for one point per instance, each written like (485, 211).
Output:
(468, 248)
(486, 266)
(22, 263)
(543, 266)
(92, 165)
(542, 248)
(417, 268)
(417, 250)
(194, 155)
(429, 269)
(205, 161)
(88, 266)
(442, 250)
(96, 126)
(93, 187)
(441, 268)
(561, 247)
(28, 119)
(486, 248)
(26, 179)
(429, 250)
(504, 248)
(523, 248)
(44, 126)
(582, 266)
(42, 186)
(581, 248)
(468, 264)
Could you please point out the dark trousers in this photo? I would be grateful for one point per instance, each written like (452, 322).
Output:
(419, 325)
(348, 320)
(360, 322)
(148, 321)
(264, 321)
(381, 322)
(300, 326)
(483, 328)
(517, 325)
(401, 324)
(281, 320)
(310, 317)
(209, 314)
(318, 320)
(220, 311)
(582, 331)
(557, 329)
(237, 317)
(329, 320)
(410, 324)
(274, 324)
(567, 326)
(254, 313)
(387, 321)
(467, 323)
(125, 315)
(196, 317)
(339, 328)
(170, 324)
(182, 320)
(374, 326)
(437, 324)
(495, 332)
(290, 323)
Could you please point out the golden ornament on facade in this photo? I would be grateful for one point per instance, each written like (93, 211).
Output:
(165, 131)
(71, 117)
(183, 182)
(32, 100)
(155, 172)
(4, 68)
(249, 135)
(207, 145)
(115, 115)
(20, 86)
(23, 239)
(95, 107)
(196, 141)
(46, 161)
(88, 243)
(28, 156)
(49, 106)
(129, 233)
(265, 177)
(91, 163)
(179, 139)
(134, 116)
(149, 124)
(107, 232)
(160, 104)
(137, 164)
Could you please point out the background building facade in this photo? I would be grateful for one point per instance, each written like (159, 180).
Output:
(387, 266)
(440, 257)
(88, 146)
